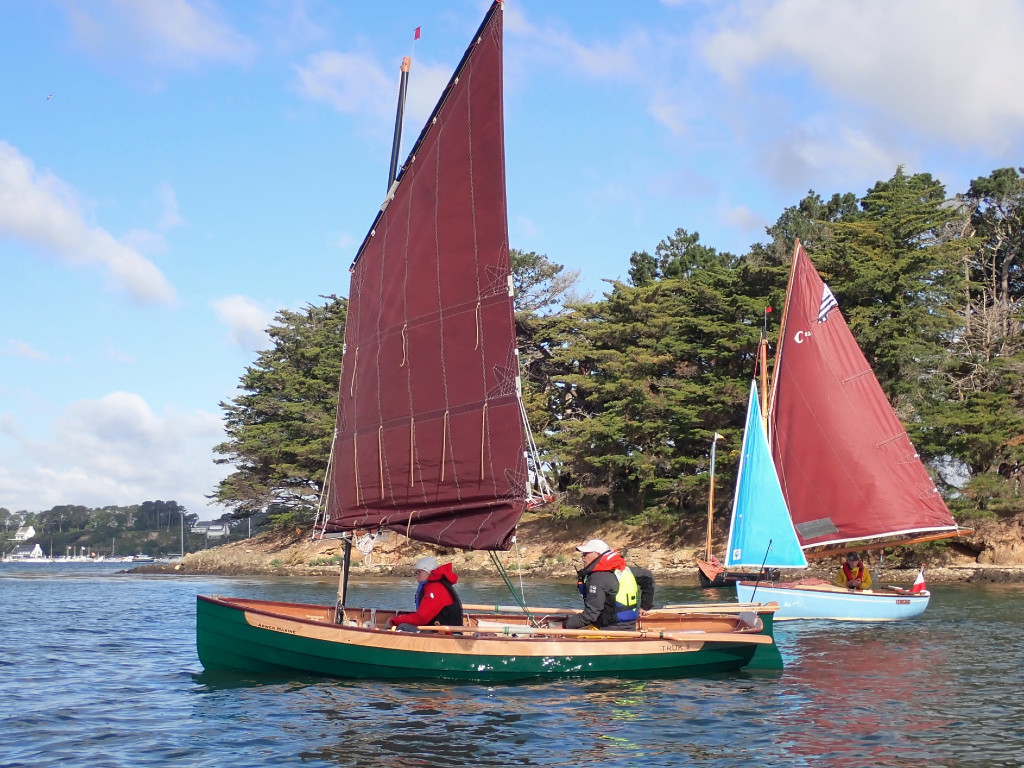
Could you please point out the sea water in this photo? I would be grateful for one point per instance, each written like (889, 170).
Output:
(99, 668)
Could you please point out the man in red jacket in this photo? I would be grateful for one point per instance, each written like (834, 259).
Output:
(437, 602)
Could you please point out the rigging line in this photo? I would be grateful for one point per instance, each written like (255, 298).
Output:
(477, 346)
(511, 588)
(380, 456)
(355, 465)
(760, 573)
(405, 345)
(444, 445)
(412, 451)
(543, 486)
(540, 479)
(325, 495)
(355, 368)
(782, 336)
(519, 567)
(483, 438)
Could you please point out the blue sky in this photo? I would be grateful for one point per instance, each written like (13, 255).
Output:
(173, 172)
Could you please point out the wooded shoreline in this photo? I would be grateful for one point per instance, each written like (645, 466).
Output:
(546, 550)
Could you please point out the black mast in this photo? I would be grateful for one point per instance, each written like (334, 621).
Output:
(396, 146)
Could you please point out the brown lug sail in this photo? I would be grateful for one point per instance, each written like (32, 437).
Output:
(848, 469)
(429, 436)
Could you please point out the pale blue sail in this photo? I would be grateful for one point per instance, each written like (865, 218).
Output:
(759, 512)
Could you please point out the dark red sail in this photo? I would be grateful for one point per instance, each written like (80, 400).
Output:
(430, 436)
(848, 469)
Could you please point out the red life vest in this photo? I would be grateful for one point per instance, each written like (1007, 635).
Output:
(848, 571)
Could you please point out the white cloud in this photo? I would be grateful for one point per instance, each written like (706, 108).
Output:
(917, 61)
(668, 110)
(824, 150)
(21, 349)
(170, 217)
(619, 61)
(525, 226)
(356, 84)
(741, 217)
(43, 211)
(423, 94)
(246, 320)
(114, 450)
(293, 28)
(349, 82)
(170, 33)
(347, 244)
(118, 356)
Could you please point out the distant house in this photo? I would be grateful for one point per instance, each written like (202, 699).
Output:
(212, 530)
(25, 533)
(26, 552)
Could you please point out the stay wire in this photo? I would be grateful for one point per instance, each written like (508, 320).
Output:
(511, 587)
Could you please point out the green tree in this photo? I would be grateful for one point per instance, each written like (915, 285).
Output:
(280, 429)
(982, 420)
(542, 288)
(154, 515)
(655, 370)
(809, 221)
(895, 273)
(679, 255)
(545, 295)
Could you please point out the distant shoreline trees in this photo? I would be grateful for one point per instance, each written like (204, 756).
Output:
(152, 528)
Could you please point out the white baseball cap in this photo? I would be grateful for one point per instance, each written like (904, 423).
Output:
(596, 546)
(425, 564)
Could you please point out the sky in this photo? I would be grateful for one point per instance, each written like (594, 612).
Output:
(174, 172)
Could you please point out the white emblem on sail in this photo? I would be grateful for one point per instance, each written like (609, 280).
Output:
(828, 303)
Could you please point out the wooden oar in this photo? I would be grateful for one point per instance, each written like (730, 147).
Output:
(679, 637)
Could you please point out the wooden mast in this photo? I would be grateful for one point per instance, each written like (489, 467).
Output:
(711, 498)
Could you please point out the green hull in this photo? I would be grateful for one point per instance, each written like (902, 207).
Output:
(767, 657)
(242, 637)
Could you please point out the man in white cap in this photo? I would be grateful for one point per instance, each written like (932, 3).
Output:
(613, 593)
(437, 602)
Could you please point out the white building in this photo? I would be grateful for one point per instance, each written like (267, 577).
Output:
(212, 530)
(25, 533)
(26, 552)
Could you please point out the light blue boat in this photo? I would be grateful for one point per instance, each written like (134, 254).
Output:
(826, 601)
(834, 471)
(761, 534)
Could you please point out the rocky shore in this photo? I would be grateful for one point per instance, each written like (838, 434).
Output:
(545, 549)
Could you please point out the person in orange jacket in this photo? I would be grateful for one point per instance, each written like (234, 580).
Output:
(437, 602)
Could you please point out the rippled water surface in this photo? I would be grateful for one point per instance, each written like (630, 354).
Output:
(100, 669)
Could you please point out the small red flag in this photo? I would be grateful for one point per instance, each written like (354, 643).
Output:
(416, 34)
(919, 585)
(767, 309)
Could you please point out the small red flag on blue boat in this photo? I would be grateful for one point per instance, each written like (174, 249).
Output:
(919, 585)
